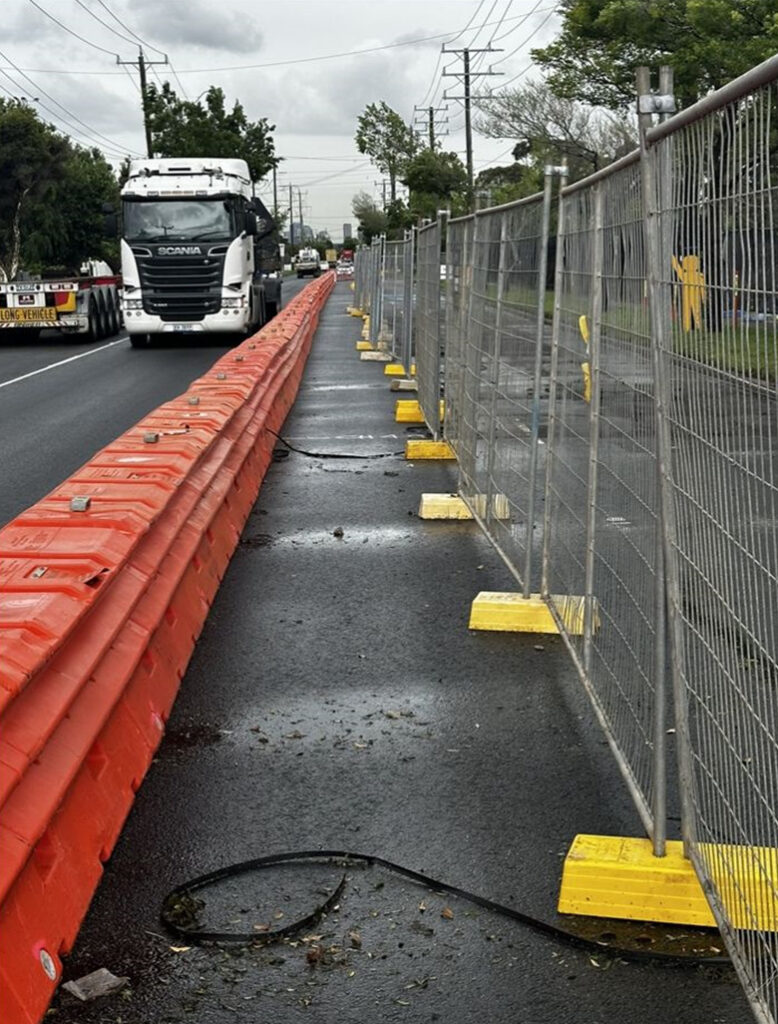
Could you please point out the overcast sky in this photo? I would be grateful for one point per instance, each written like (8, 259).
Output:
(313, 102)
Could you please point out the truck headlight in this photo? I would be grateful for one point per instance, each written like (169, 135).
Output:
(234, 303)
(132, 303)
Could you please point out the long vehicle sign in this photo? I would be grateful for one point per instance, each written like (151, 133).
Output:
(47, 313)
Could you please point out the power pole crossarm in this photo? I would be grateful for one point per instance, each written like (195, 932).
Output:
(466, 75)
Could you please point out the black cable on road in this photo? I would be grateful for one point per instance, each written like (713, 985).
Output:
(180, 910)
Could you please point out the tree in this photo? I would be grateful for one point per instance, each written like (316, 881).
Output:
(191, 128)
(436, 181)
(67, 227)
(550, 129)
(707, 42)
(509, 182)
(388, 141)
(31, 157)
(372, 220)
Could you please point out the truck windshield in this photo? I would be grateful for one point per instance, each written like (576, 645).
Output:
(180, 219)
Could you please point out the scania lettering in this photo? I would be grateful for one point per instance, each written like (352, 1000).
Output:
(195, 250)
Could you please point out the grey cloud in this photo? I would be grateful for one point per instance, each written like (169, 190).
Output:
(196, 23)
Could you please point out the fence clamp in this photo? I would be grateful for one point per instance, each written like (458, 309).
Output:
(80, 503)
(656, 103)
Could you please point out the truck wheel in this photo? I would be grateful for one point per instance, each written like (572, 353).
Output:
(113, 317)
(141, 340)
(93, 331)
(300, 276)
(271, 310)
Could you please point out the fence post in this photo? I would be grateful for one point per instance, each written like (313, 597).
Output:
(657, 186)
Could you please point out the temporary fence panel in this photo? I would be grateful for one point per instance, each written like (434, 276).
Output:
(394, 297)
(428, 321)
(459, 285)
(406, 327)
(714, 254)
(361, 261)
(377, 257)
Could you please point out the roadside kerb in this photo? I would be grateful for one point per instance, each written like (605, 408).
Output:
(101, 611)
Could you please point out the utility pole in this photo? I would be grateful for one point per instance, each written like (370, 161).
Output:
(291, 217)
(382, 185)
(300, 205)
(429, 121)
(275, 198)
(466, 75)
(141, 64)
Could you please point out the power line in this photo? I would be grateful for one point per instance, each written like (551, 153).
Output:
(70, 31)
(440, 55)
(143, 42)
(105, 24)
(273, 64)
(524, 42)
(136, 37)
(91, 131)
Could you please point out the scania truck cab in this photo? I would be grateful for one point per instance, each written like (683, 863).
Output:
(189, 266)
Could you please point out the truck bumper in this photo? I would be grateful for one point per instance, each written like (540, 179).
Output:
(226, 320)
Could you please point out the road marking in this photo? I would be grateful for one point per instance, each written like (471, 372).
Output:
(70, 359)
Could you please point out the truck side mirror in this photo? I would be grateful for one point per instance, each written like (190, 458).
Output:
(251, 223)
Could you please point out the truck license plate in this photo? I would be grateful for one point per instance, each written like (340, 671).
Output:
(28, 315)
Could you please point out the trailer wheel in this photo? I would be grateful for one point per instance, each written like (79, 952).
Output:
(114, 325)
(93, 331)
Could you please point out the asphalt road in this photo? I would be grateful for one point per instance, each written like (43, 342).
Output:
(62, 400)
(336, 699)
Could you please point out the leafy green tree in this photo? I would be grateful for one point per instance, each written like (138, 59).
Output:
(67, 227)
(372, 220)
(31, 157)
(553, 129)
(194, 128)
(387, 140)
(506, 183)
(707, 42)
(435, 181)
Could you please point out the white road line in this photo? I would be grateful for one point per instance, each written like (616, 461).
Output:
(70, 359)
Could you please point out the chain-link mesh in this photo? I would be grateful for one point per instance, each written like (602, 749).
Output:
(377, 257)
(428, 322)
(715, 253)
(406, 335)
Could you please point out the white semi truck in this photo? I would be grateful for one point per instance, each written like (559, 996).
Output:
(193, 258)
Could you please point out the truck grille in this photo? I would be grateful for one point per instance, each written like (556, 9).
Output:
(180, 287)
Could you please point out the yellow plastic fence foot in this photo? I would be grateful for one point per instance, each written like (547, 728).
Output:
(613, 876)
(404, 385)
(511, 613)
(420, 449)
(373, 356)
(364, 346)
(394, 370)
(408, 410)
(353, 311)
(443, 506)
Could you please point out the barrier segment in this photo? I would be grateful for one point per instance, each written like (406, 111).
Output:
(130, 581)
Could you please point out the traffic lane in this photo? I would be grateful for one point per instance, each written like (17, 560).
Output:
(20, 357)
(336, 699)
(56, 420)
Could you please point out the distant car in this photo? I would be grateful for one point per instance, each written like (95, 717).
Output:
(345, 269)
